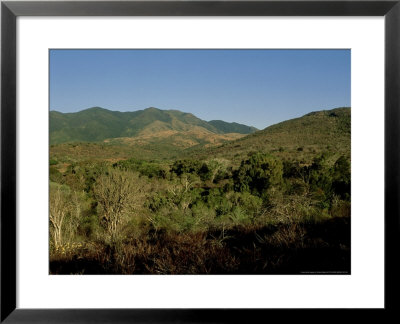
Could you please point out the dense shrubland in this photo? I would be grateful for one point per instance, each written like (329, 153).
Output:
(266, 214)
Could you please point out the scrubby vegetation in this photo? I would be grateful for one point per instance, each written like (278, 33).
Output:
(268, 212)
(200, 216)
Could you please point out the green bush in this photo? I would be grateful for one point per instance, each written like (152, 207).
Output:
(186, 166)
(148, 169)
(257, 174)
(342, 178)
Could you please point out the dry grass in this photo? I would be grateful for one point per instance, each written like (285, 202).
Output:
(282, 248)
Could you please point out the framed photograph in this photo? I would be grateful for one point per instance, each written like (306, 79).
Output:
(198, 161)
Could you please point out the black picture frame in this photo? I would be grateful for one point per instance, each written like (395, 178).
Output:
(10, 10)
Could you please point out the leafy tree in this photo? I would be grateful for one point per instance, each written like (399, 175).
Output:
(148, 169)
(204, 172)
(219, 169)
(291, 169)
(186, 166)
(342, 178)
(320, 180)
(258, 174)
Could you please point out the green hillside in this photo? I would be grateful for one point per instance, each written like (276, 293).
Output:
(300, 138)
(296, 139)
(98, 124)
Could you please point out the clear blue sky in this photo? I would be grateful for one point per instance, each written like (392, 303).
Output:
(253, 87)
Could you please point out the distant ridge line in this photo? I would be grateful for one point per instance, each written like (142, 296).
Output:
(98, 124)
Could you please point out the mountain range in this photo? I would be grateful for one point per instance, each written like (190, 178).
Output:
(152, 133)
(98, 124)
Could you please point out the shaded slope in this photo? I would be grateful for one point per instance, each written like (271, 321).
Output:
(226, 127)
